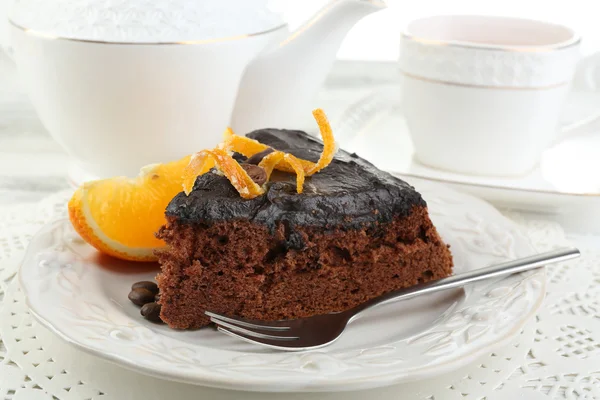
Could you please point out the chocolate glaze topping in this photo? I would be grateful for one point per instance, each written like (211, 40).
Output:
(348, 194)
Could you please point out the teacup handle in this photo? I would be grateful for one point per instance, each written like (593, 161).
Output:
(577, 128)
(590, 69)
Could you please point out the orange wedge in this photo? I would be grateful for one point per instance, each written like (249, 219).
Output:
(119, 216)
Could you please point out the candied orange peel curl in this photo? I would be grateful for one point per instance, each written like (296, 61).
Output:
(329, 146)
(243, 145)
(276, 159)
(221, 158)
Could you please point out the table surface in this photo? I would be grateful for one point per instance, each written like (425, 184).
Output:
(33, 166)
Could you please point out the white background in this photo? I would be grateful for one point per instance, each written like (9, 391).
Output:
(377, 36)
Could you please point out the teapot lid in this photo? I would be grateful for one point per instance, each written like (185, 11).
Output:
(145, 21)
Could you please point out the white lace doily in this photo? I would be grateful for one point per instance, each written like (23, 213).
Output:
(556, 356)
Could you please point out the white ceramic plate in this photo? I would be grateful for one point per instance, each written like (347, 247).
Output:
(565, 180)
(82, 297)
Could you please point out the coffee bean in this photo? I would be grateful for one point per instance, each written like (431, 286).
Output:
(258, 174)
(257, 158)
(240, 158)
(151, 312)
(141, 296)
(157, 297)
(150, 286)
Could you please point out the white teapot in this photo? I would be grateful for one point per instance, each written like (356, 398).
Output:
(125, 83)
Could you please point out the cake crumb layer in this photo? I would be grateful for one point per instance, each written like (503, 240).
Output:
(238, 267)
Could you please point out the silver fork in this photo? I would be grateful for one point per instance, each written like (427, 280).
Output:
(322, 330)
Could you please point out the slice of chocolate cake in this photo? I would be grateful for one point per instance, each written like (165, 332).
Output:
(353, 234)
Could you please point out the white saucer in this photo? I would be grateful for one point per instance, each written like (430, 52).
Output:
(566, 179)
(82, 297)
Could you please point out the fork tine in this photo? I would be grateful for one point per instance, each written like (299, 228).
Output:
(222, 326)
(241, 322)
(268, 343)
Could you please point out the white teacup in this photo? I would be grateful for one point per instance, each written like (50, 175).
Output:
(483, 95)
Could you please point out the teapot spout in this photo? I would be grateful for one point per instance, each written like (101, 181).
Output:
(278, 86)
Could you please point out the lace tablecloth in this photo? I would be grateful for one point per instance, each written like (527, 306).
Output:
(556, 356)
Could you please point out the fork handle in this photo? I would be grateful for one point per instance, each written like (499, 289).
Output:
(506, 268)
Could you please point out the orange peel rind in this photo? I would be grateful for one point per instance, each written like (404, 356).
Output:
(278, 159)
(200, 163)
(270, 161)
(237, 175)
(329, 146)
(243, 145)
(204, 160)
(297, 167)
(220, 157)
